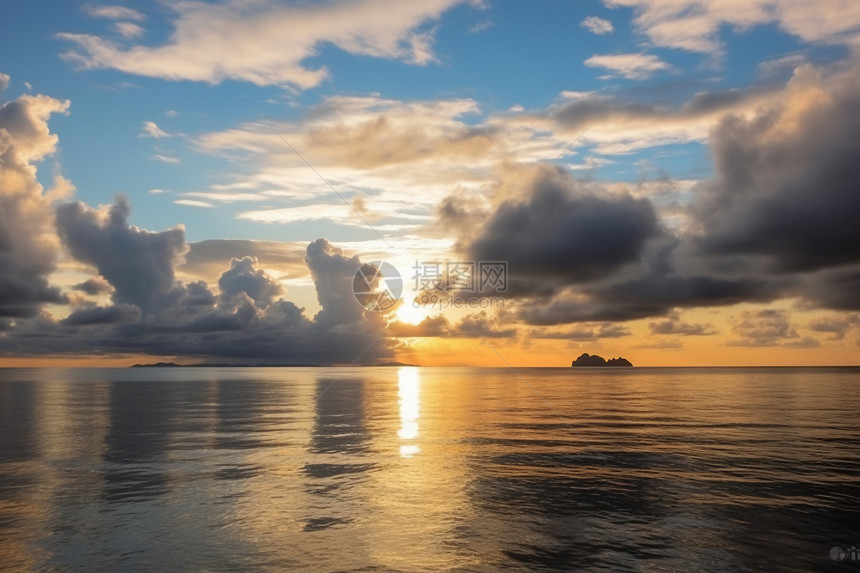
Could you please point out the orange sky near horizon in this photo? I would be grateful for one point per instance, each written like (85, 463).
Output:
(501, 353)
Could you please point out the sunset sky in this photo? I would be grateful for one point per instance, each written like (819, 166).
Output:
(673, 181)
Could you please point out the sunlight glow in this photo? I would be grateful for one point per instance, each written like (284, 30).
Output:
(409, 314)
(409, 385)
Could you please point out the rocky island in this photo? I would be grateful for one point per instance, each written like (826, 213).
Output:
(595, 360)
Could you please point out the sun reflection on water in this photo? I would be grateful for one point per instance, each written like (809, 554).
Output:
(408, 391)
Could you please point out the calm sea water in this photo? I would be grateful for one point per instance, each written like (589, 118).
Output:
(425, 469)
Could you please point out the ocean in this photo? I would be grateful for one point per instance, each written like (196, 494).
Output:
(430, 469)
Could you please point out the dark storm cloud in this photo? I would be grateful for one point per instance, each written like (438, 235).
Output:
(564, 234)
(777, 220)
(28, 243)
(644, 297)
(837, 288)
(139, 264)
(787, 181)
(579, 253)
(94, 286)
(242, 277)
(116, 314)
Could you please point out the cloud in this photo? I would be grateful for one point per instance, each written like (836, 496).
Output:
(138, 263)
(476, 325)
(363, 146)
(333, 274)
(376, 147)
(597, 25)
(481, 325)
(670, 344)
(113, 12)
(206, 259)
(650, 294)
(432, 326)
(630, 66)
(155, 313)
(674, 325)
(28, 242)
(781, 65)
(128, 30)
(462, 211)
(117, 314)
(367, 132)
(619, 126)
(695, 25)
(151, 129)
(264, 42)
(786, 180)
(193, 203)
(244, 278)
(349, 138)
(4, 81)
(314, 212)
(836, 325)
(94, 286)
(564, 232)
(768, 327)
(481, 26)
(580, 252)
(834, 288)
(584, 332)
(775, 221)
(165, 159)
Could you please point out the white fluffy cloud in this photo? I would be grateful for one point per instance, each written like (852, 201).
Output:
(113, 12)
(265, 42)
(630, 66)
(128, 30)
(597, 25)
(28, 243)
(151, 129)
(695, 24)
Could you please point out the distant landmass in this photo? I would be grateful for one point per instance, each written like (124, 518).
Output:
(595, 360)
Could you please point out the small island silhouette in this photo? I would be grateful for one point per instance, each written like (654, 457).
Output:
(595, 360)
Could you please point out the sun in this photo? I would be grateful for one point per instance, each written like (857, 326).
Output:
(409, 314)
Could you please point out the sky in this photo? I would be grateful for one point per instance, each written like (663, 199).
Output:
(672, 181)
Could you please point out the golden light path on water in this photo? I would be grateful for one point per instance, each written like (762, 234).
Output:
(409, 393)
